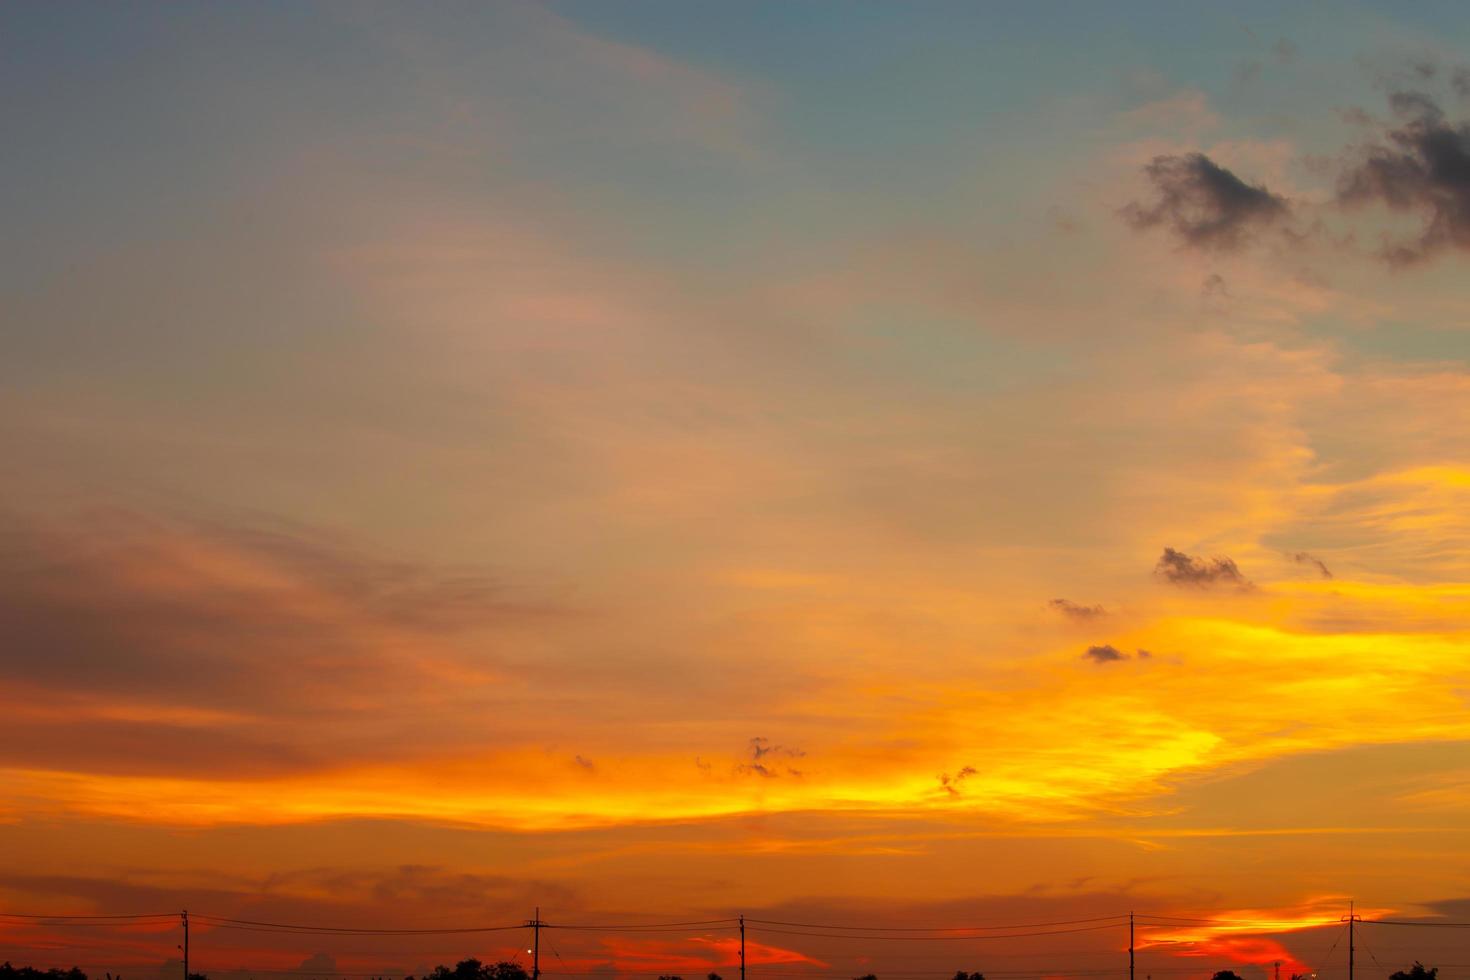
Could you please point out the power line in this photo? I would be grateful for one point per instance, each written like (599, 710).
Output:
(360, 932)
(79, 918)
(1024, 925)
(1327, 956)
(258, 926)
(1371, 955)
(1406, 922)
(644, 927)
(1010, 935)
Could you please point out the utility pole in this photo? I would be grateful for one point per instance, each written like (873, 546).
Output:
(184, 916)
(1130, 946)
(1350, 918)
(1278, 970)
(535, 925)
(742, 947)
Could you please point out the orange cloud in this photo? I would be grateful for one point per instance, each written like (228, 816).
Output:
(1242, 935)
(1257, 951)
(696, 954)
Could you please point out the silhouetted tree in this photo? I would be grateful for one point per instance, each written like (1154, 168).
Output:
(1226, 975)
(1416, 972)
(504, 970)
(8, 972)
(473, 969)
(962, 975)
(671, 977)
(713, 976)
(198, 976)
(866, 976)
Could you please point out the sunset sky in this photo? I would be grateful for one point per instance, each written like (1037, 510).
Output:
(850, 464)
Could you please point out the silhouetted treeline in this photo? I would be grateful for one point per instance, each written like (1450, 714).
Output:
(473, 969)
(8, 972)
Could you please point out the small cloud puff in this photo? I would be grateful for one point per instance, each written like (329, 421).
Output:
(1075, 610)
(1178, 568)
(1206, 206)
(951, 784)
(1104, 653)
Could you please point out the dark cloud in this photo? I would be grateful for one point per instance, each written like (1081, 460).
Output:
(1421, 166)
(762, 747)
(951, 784)
(1075, 610)
(420, 885)
(1449, 908)
(1204, 204)
(1302, 558)
(1460, 82)
(1177, 568)
(1104, 653)
(763, 753)
(1215, 294)
(584, 763)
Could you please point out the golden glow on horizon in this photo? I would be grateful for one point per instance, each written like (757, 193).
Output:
(1080, 738)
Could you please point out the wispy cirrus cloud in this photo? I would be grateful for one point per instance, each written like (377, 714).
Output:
(170, 648)
(1303, 558)
(1076, 610)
